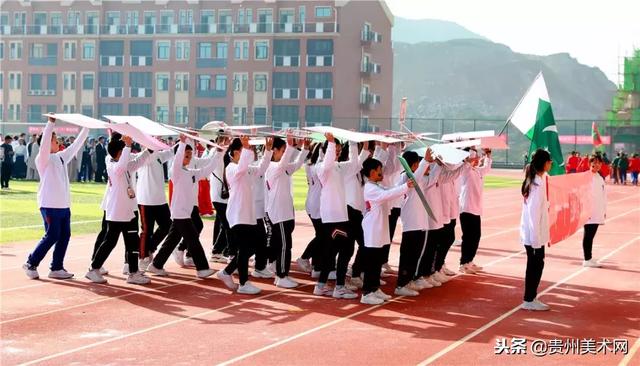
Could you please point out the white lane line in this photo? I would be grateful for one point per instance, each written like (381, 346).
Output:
(497, 320)
(632, 352)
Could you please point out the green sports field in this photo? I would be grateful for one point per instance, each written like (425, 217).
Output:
(20, 218)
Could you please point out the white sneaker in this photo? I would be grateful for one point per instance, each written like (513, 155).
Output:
(322, 290)
(591, 263)
(218, 258)
(382, 295)
(447, 271)
(178, 256)
(60, 274)
(413, 286)
(138, 278)
(204, 273)
(535, 305)
(248, 289)
(466, 268)
(341, 292)
(350, 286)
(94, 276)
(226, 279)
(332, 275)
(262, 273)
(144, 263)
(476, 267)
(271, 267)
(405, 291)
(440, 277)
(157, 271)
(304, 264)
(285, 282)
(125, 269)
(104, 271)
(386, 267)
(315, 274)
(357, 282)
(384, 274)
(371, 299)
(31, 271)
(382, 282)
(188, 262)
(432, 280)
(422, 283)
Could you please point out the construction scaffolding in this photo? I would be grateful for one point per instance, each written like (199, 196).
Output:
(625, 111)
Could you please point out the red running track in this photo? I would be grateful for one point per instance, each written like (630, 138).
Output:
(181, 320)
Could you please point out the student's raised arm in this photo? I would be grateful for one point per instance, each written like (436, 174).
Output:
(72, 150)
(45, 148)
(364, 154)
(485, 168)
(179, 157)
(165, 155)
(329, 161)
(378, 195)
(301, 158)
(123, 163)
(139, 160)
(215, 159)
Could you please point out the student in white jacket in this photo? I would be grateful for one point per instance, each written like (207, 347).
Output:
(308, 261)
(54, 201)
(184, 182)
(279, 204)
(598, 211)
(375, 225)
(241, 213)
(335, 218)
(120, 206)
(219, 199)
(472, 182)
(534, 226)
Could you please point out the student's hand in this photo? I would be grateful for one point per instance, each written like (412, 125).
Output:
(329, 137)
(245, 142)
(52, 119)
(268, 145)
(183, 137)
(428, 155)
(127, 141)
(384, 145)
(410, 183)
(290, 140)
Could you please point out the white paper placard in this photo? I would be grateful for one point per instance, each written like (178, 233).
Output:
(192, 136)
(138, 136)
(78, 120)
(493, 143)
(462, 144)
(257, 142)
(467, 135)
(144, 124)
(352, 135)
(448, 154)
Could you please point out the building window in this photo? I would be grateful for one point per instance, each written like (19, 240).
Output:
(286, 85)
(260, 115)
(182, 82)
(221, 50)
(239, 115)
(15, 81)
(162, 82)
(162, 113)
(68, 108)
(88, 50)
(69, 81)
(140, 84)
(319, 85)
(182, 114)
(204, 50)
(110, 84)
(241, 50)
(220, 113)
(323, 11)
(140, 110)
(204, 82)
(221, 82)
(240, 82)
(183, 50)
(164, 50)
(262, 50)
(316, 115)
(284, 116)
(87, 110)
(260, 81)
(112, 53)
(14, 112)
(1, 50)
(142, 53)
(69, 50)
(286, 52)
(87, 81)
(15, 50)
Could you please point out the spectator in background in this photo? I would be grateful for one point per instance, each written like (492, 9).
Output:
(605, 159)
(572, 162)
(20, 160)
(583, 165)
(623, 165)
(634, 168)
(32, 151)
(101, 166)
(7, 162)
(614, 165)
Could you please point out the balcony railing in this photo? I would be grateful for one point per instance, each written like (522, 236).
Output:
(214, 28)
(369, 101)
(369, 68)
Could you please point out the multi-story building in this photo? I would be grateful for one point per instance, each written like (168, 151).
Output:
(285, 63)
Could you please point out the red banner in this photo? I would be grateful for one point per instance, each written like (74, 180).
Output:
(569, 204)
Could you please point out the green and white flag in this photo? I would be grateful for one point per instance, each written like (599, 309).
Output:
(534, 117)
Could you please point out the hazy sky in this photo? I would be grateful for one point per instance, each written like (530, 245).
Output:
(593, 31)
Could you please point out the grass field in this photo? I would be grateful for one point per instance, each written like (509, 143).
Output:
(20, 218)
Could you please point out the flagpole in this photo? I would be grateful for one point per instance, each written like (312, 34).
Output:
(520, 102)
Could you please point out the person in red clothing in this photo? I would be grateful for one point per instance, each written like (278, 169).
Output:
(572, 162)
(634, 168)
(583, 166)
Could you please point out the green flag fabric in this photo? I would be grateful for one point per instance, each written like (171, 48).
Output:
(545, 136)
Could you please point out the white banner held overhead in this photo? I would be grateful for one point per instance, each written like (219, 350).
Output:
(144, 124)
(352, 135)
(467, 135)
(138, 136)
(78, 120)
(191, 135)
